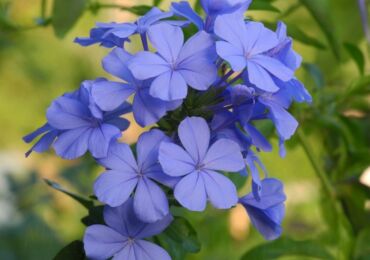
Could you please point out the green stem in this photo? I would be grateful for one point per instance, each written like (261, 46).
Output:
(330, 191)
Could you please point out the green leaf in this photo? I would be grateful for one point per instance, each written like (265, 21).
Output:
(157, 2)
(95, 216)
(238, 179)
(315, 73)
(362, 247)
(139, 10)
(197, 6)
(263, 5)
(356, 55)
(288, 247)
(73, 251)
(304, 38)
(179, 239)
(65, 15)
(321, 12)
(82, 200)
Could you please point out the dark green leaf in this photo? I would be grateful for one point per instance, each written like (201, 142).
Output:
(263, 5)
(288, 247)
(315, 73)
(360, 87)
(73, 251)
(302, 37)
(356, 55)
(179, 239)
(362, 247)
(66, 14)
(82, 200)
(238, 179)
(95, 216)
(321, 12)
(197, 6)
(138, 9)
(157, 2)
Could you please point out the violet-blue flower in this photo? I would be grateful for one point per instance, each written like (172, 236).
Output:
(123, 236)
(198, 165)
(78, 125)
(109, 95)
(245, 45)
(125, 175)
(176, 64)
(267, 212)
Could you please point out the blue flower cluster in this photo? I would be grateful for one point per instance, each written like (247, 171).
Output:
(203, 96)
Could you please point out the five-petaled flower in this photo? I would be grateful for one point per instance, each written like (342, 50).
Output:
(176, 64)
(123, 237)
(125, 174)
(198, 165)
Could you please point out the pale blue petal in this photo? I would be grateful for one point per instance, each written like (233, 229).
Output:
(146, 65)
(73, 143)
(190, 192)
(194, 134)
(100, 139)
(224, 155)
(174, 160)
(120, 158)
(169, 86)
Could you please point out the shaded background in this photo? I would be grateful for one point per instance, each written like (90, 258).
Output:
(36, 66)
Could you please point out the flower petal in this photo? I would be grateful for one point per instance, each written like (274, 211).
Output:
(184, 9)
(231, 54)
(257, 138)
(169, 86)
(115, 187)
(102, 242)
(148, 110)
(100, 139)
(145, 250)
(167, 40)
(147, 148)
(150, 202)
(220, 190)
(260, 39)
(224, 155)
(194, 134)
(72, 143)
(260, 77)
(174, 160)
(116, 62)
(67, 113)
(274, 66)
(120, 157)
(190, 192)
(109, 95)
(146, 65)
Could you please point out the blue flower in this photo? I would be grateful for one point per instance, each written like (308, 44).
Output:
(123, 236)
(115, 34)
(246, 46)
(125, 175)
(102, 34)
(109, 95)
(212, 8)
(177, 64)
(197, 165)
(79, 125)
(267, 212)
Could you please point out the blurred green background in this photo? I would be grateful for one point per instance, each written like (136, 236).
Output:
(325, 175)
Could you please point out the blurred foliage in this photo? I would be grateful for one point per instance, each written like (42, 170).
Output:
(331, 148)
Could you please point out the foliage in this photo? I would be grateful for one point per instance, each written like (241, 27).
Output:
(338, 120)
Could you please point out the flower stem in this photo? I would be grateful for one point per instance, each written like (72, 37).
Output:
(144, 41)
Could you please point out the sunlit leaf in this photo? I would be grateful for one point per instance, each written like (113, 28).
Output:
(301, 36)
(321, 12)
(73, 251)
(82, 200)
(356, 55)
(65, 15)
(288, 247)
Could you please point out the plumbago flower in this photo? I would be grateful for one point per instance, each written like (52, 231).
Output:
(200, 98)
(75, 125)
